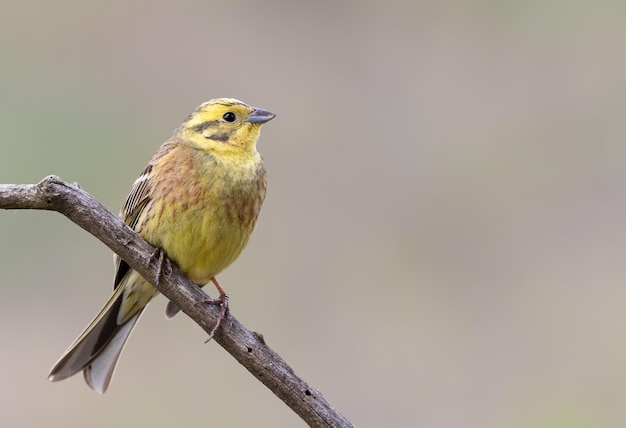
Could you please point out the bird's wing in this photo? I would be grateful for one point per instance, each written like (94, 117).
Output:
(137, 199)
(136, 202)
(133, 207)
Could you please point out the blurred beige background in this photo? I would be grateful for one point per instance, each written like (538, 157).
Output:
(443, 241)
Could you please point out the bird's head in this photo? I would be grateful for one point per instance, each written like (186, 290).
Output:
(224, 125)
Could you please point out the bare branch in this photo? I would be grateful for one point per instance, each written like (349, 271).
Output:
(245, 346)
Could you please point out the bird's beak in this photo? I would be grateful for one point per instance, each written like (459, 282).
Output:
(260, 116)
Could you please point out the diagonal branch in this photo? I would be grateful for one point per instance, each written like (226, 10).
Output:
(245, 346)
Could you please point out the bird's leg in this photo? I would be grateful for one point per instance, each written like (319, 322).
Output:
(162, 262)
(222, 301)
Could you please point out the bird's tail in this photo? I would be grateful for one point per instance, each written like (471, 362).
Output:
(98, 347)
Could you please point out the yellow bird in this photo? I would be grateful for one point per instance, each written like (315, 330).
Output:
(197, 200)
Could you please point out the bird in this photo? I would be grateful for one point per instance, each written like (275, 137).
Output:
(197, 202)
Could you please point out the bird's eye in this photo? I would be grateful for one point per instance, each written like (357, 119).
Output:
(229, 116)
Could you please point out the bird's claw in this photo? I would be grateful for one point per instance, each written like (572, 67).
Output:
(162, 262)
(222, 301)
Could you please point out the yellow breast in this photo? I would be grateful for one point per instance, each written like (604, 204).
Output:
(205, 212)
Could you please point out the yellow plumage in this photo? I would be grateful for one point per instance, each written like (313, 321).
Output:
(198, 200)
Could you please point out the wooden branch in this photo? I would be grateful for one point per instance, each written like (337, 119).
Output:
(247, 347)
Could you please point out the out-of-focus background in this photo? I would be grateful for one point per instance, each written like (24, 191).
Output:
(443, 242)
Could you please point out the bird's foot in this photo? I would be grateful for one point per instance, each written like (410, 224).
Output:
(163, 265)
(222, 301)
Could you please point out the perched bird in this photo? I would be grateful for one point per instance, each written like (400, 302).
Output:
(197, 200)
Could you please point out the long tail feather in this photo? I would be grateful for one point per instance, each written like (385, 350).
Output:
(98, 347)
(100, 370)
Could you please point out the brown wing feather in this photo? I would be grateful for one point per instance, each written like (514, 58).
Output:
(138, 198)
(132, 208)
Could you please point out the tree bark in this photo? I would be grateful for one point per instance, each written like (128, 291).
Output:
(245, 346)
